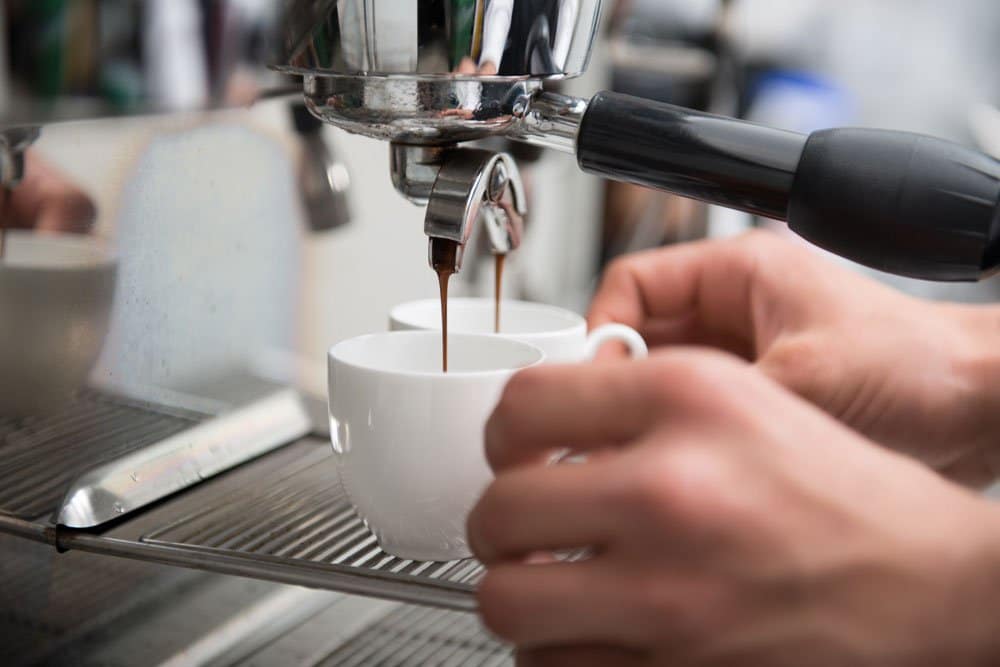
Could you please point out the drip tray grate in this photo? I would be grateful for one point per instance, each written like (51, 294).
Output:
(41, 456)
(292, 519)
(414, 636)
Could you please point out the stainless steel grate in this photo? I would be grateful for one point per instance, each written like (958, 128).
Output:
(41, 456)
(48, 598)
(299, 516)
(416, 637)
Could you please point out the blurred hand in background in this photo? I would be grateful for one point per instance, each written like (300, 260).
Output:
(46, 200)
(911, 374)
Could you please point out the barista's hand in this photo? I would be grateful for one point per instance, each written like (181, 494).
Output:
(730, 523)
(46, 200)
(918, 376)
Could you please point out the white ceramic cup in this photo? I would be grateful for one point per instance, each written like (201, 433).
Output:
(560, 333)
(408, 439)
(56, 292)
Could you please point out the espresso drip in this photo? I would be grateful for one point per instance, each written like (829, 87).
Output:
(443, 261)
(443, 277)
(498, 260)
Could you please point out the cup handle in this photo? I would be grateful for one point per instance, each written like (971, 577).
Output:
(616, 332)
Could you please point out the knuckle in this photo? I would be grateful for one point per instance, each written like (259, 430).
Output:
(684, 613)
(519, 393)
(494, 442)
(695, 378)
(618, 270)
(497, 606)
(487, 524)
(649, 489)
(769, 257)
(679, 487)
(502, 423)
(761, 244)
(757, 251)
(660, 602)
(799, 362)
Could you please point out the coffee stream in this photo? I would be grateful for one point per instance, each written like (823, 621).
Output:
(443, 277)
(497, 283)
(443, 254)
(444, 259)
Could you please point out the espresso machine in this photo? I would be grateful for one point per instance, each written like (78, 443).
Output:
(431, 77)
(122, 514)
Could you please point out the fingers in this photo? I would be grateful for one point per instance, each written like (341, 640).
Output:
(466, 66)
(543, 509)
(581, 656)
(672, 282)
(561, 603)
(596, 406)
(554, 407)
(47, 200)
(699, 292)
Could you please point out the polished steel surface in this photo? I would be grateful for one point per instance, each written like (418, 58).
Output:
(475, 185)
(230, 621)
(458, 38)
(434, 73)
(414, 168)
(41, 457)
(13, 142)
(416, 71)
(287, 514)
(48, 600)
(436, 111)
(214, 620)
(106, 456)
(414, 636)
(281, 518)
(323, 177)
(145, 475)
(551, 121)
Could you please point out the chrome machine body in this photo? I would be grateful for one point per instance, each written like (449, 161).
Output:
(418, 74)
(436, 74)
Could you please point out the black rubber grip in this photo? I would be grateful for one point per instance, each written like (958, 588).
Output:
(899, 202)
(716, 159)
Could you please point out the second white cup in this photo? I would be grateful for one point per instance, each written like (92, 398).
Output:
(561, 334)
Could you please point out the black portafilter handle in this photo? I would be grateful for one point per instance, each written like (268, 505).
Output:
(895, 201)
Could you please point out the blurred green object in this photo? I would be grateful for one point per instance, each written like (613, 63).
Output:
(465, 17)
(45, 43)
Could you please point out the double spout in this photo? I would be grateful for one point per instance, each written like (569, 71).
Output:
(461, 186)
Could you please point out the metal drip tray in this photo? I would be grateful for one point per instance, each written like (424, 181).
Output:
(49, 600)
(304, 515)
(283, 518)
(107, 456)
(41, 456)
(411, 636)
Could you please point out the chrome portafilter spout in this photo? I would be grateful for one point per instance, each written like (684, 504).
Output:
(461, 186)
(13, 144)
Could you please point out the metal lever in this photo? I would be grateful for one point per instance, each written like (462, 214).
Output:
(474, 184)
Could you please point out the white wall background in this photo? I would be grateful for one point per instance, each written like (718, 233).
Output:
(217, 265)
